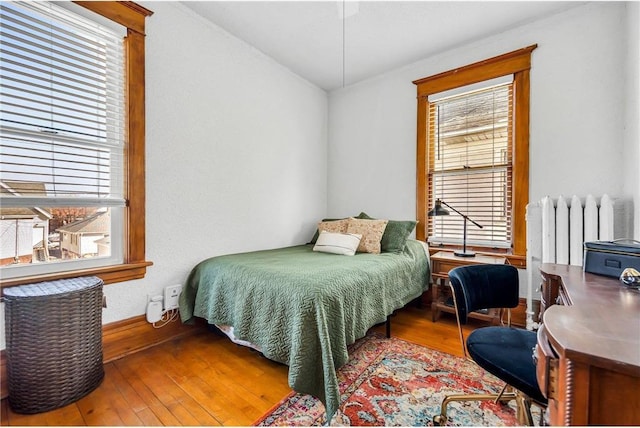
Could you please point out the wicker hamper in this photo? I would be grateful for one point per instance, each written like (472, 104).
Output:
(54, 342)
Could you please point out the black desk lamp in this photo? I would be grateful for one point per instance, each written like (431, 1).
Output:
(438, 210)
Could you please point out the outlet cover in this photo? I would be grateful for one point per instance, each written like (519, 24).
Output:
(171, 296)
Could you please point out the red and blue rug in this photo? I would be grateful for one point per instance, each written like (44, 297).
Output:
(391, 382)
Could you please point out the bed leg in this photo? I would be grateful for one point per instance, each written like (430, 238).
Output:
(388, 324)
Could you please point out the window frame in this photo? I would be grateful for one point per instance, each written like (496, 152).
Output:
(132, 16)
(517, 63)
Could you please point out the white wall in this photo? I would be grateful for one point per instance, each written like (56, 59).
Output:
(577, 115)
(236, 153)
(584, 88)
(632, 116)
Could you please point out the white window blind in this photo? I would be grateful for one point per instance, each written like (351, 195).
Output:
(61, 109)
(470, 165)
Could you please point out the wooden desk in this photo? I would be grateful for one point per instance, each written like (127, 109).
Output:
(589, 348)
(441, 263)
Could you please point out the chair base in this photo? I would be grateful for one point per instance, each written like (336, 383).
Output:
(523, 405)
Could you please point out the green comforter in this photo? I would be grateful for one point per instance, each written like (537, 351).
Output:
(302, 308)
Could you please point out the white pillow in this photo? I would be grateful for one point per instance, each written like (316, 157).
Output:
(344, 244)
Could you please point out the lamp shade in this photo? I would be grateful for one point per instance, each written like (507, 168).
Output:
(438, 209)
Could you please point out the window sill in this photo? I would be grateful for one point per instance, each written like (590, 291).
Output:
(109, 274)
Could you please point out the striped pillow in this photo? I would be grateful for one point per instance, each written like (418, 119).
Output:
(337, 243)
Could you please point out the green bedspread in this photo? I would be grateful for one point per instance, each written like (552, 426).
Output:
(302, 308)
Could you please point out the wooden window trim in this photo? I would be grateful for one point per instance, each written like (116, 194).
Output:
(518, 63)
(132, 16)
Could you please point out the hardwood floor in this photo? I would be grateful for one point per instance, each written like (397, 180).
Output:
(206, 379)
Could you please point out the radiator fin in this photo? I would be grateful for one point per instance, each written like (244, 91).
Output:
(576, 232)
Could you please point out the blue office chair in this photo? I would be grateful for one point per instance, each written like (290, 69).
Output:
(503, 351)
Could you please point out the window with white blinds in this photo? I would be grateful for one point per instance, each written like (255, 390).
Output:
(62, 130)
(470, 165)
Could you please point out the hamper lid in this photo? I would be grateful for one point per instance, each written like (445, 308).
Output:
(49, 288)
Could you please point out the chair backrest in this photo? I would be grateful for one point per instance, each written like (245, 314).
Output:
(483, 287)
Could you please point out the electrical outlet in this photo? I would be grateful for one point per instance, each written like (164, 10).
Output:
(171, 296)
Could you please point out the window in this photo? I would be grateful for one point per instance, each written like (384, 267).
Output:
(72, 140)
(62, 139)
(469, 140)
(473, 154)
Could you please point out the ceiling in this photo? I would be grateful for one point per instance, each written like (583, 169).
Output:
(307, 36)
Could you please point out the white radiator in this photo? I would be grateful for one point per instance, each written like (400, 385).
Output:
(558, 228)
(568, 224)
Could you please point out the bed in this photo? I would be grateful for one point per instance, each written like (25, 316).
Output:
(302, 308)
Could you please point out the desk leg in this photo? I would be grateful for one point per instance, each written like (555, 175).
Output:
(435, 312)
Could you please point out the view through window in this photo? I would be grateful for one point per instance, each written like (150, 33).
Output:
(469, 139)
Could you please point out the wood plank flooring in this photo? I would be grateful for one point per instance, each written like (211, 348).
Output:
(207, 380)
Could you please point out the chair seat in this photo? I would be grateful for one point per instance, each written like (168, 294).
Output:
(507, 353)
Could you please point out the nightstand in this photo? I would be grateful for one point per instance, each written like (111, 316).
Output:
(441, 263)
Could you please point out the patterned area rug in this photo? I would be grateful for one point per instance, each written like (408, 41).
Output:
(391, 382)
